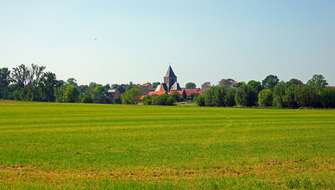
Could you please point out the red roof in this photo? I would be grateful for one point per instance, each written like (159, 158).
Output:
(189, 92)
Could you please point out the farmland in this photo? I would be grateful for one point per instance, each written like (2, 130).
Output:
(90, 146)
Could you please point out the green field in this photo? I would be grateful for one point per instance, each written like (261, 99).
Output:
(78, 146)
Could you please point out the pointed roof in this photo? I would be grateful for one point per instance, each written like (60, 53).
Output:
(170, 72)
(175, 86)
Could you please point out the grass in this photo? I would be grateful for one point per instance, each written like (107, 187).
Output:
(77, 146)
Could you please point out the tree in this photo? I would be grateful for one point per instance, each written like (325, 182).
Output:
(155, 84)
(270, 81)
(328, 97)
(190, 85)
(72, 81)
(265, 97)
(71, 93)
(241, 95)
(229, 98)
(279, 95)
(214, 96)
(227, 82)
(47, 86)
(318, 82)
(132, 95)
(205, 86)
(254, 87)
(308, 97)
(98, 94)
(295, 82)
(292, 89)
(4, 82)
(26, 82)
(19, 76)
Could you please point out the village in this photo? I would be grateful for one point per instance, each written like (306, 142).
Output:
(169, 86)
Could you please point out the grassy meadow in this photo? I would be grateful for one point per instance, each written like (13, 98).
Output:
(88, 146)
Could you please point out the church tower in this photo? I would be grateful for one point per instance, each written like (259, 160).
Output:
(170, 78)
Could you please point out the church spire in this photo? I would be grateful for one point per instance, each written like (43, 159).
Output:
(170, 78)
(170, 72)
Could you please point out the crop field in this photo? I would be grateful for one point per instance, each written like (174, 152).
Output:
(88, 146)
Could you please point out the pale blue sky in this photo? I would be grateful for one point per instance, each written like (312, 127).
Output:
(204, 40)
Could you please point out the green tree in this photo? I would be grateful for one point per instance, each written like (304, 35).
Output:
(190, 85)
(155, 84)
(292, 90)
(47, 86)
(308, 97)
(205, 86)
(214, 96)
(4, 82)
(26, 81)
(71, 93)
(328, 97)
(318, 82)
(295, 82)
(241, 95)
(227, 82)
(265, 97)
(270, 81)
(229, 98)
(254, 87)
(279, 95)
(132, 95)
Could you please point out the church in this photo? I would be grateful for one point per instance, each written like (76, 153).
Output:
(171, 86)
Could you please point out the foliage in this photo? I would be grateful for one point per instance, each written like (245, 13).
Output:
(214, 96)
(4, 82)
(200, 101)
(254, 87)
(164, 100)
(34, 83)
(190, 85)
(265, 97)
(318, 82)
(241, 95)
(205, 86)
(227, 82)
(279, 95)
(131, 95)
(155, 84)
(71, 93)
(270, 81)
(328, 97)
(229, 97)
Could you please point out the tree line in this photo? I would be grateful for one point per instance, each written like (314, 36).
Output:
(270, 92)
(34, 83)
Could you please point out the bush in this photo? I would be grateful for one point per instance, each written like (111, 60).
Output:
(86, 99)
(147, 100)
(167, 100)
(200, 100)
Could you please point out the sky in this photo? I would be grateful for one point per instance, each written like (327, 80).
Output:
(118, 41)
